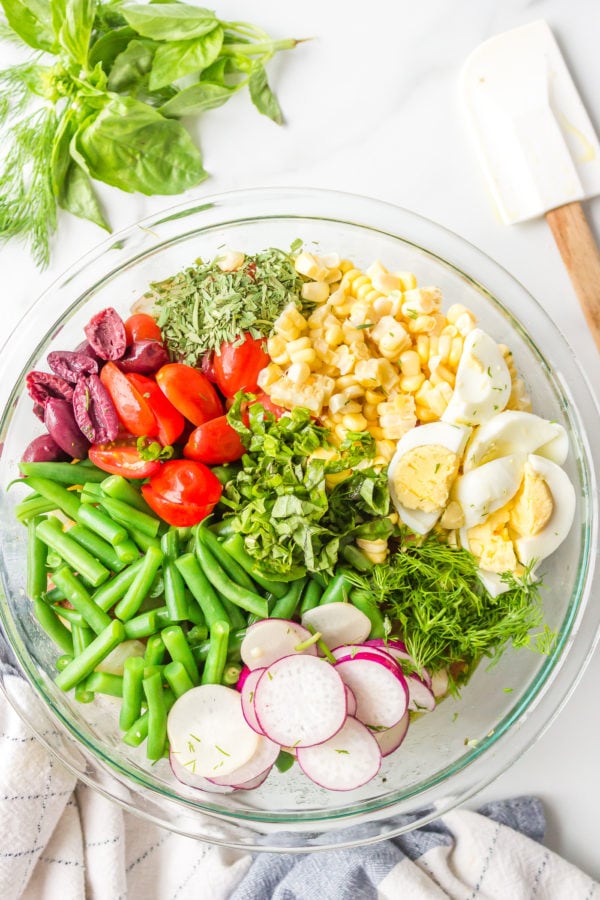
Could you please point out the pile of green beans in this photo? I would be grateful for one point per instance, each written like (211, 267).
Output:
(103, 569)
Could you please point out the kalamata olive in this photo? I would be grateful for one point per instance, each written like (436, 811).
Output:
(44, 449)
(144, 358)
(59, 419)
(106, 334)
(94, 411)
(44, 386)
(70, 365)
(86, 349)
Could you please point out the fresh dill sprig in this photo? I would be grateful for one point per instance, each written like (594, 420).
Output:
(437, 605)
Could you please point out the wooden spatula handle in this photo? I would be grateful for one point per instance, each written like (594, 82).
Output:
(581, 257)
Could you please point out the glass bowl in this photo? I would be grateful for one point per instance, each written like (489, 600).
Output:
(466, 742)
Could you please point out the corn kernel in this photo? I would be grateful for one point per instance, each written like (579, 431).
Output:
(354, 421)
(345, 265)
(333, 275)
(410, 364)
(422, 301)
(423, 347)
(408, 280)
(268, 376)
(411, 383)
(370, 412)
(465, 323)
(310, 266)
(455, 311)
(315, 291)
(230, 261)
(385, 448)
(376, 431)
(455, 352)
(374, 396)
(421, 324)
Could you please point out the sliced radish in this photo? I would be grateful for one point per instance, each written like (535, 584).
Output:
(300, 701)
(420, 695)
(344, 762)
(390, 739)
(247, 695)
(262, 761)
(255, 782)
(208, 733)
(350, 701)
(439, 683)
(339, 623)
(242, 678)
(349, 651)
(271, 639)
(379, 687)
(187, 776)
(397, 650)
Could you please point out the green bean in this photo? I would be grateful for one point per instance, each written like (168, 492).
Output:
(139, 588)
(88, 659)
(119, 488)
(63, 499)
(201, 588)
(54, 628)
(79, 558)
(234, 614)
(231, 674)
(63, 472)
(338, 589)
(142, 626)
(361, 600)
(162, 617)
(234, 570)
(200, 651)
(311, 597)
(357, 559)
(177, 678)
(114, 590)
(180, 651)
(82, 638)
(127, 551)
(63, 661)
(320, 579)
(79, 598)
(130, 516)
(214, 666)
(90, 493)
(37, 551)
(96, 545)
(155, 650)
(97, 521)
(144, 541)
(138, 732)
(248, 600)
(197, 634)
(234, 546)
(69, 615)
(157, 716)
(286, 605)
(131, 707)
(105, 683)
(55, 595)
(31, 506)
(194, 613)
(175, 598)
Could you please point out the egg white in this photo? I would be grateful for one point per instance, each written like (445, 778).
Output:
(483, 384)
(538, 546)
(485, 489)
(513, 431)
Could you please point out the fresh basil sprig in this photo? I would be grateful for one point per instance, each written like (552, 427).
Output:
(106, 107)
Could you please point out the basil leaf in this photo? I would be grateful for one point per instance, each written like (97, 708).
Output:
(73, 21)
(106, 49)
(179, 58)
(262, 96)
(170, 21)
(196, 98)
(131, 67)
(131, 146)
(32, 22)
(77, 196)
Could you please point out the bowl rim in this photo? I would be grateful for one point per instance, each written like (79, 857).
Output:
(274, 198)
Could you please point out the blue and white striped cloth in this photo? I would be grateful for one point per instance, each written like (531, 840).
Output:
(59, 840)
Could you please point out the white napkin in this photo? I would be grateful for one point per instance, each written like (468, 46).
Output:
(60, 840)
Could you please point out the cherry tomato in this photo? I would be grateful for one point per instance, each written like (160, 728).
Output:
(183, 492)
(214, 443)
(190, 392)
(133, 410)
(169, 420)
(121, 457)
(236, 368)
(142, 327)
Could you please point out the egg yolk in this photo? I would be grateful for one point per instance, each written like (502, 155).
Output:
(491, 544)
(423, 476)
(532, 505)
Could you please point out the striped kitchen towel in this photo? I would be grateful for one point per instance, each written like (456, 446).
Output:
(59, 840)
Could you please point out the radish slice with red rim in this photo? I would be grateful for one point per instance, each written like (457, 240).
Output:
(247, 694)
(185, 775)
(339, 623)
(262, 761)
(268, 640)
(349, 651)
(420, 695)
(300, 701)
(346, 761)
(350, 701)
(255, 782)
(390, 738)
(397, 650)
(242, 678)
(379, 687)
(208, 733)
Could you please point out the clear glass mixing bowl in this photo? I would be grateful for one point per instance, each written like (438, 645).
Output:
(448, 754)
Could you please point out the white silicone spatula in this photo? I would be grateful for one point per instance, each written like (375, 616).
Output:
(537, 146)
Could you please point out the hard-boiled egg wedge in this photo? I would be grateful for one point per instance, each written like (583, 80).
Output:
(422, 471)
(491, 543)
(483, 384)
(516, 432)
(543, 513)
(488, 487)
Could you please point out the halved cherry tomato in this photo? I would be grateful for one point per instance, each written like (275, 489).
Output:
(169, 420)
(183, 492)
(121, 457)
(142, 327)
(214, 443)
(190, 392)
(236, 368)
(133, 409)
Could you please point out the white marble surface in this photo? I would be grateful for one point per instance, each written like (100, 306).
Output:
(372, 107)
